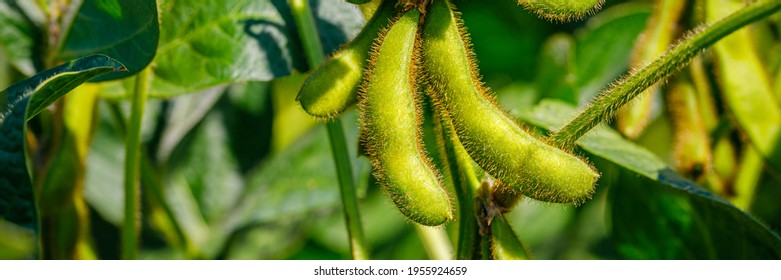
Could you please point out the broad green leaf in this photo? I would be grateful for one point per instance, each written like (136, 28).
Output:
(22, 101)
(125, 30)
(16, 37)
(208, 43)
(663, 200)
(605, 45)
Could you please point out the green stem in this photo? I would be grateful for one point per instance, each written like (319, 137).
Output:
(607, 103)
(314, 54)
(129, 237)
(435, 241)
(466, 186)
(151, 181)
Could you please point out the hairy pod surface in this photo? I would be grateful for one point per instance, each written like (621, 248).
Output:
(391, 118)
(492, 138)
(333, 87)
(562, 10)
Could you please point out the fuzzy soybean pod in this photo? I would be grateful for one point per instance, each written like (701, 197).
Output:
(562, 10)
(333, 87)
(391, 119)
(491, 137)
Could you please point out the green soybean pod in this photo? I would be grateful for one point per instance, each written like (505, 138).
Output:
(391, 119)
(562, 10)
(491, 137)
(333, 87)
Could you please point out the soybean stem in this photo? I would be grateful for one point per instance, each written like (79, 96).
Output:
(435, 241)
(610, 101)
(466, 186)
(151, 181)
(314, 54)
(129, 236)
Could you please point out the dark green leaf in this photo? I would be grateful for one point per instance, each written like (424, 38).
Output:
(203, 44)
(22, 101)
(664, 215)
(125, 30)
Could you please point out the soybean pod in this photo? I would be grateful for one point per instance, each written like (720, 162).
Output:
(391, 119)
(333, 87)
(491, 137)
(562, 10)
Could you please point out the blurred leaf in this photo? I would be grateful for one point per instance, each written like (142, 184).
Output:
(17, 242)
(125, 30)
(20, 102)
(297, 180)
(17, 35)
(381, 221)
(604, 47)
(105, 160)
(276, 240)
(556, 73)
(677, 210)
(204, 44)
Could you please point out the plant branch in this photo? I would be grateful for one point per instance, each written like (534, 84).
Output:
(314, 53)
(466, 186)
(435, 241)
(129, 236)
(607, 104)
(151, 181)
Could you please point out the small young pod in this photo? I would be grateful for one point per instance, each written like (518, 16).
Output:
(491, 137)
(390, 121)
(562, 10)
(333, 87)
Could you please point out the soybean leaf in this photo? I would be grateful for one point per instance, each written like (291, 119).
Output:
(19, 103)
(683, 214)
(125, 30)
(207, 43)
(16, 37)
(604, 47)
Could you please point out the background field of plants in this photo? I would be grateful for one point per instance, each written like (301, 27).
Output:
(232, 168)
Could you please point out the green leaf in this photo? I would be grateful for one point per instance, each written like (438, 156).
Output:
(19, 103)
(16, 37)
(125, 30)
(664, 208)
(208, 43)
(604, 47)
